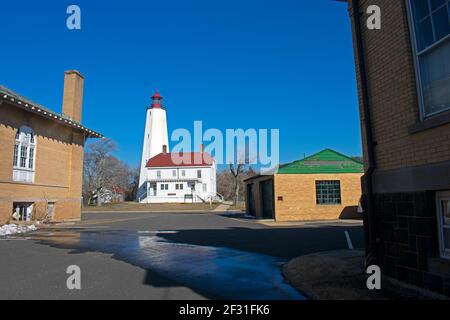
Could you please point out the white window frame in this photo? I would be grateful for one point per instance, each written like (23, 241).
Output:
(416, 54)
(443, 195)
(178, 186)
(25, 138)
(164, 186)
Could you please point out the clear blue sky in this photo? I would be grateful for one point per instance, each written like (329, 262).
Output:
(284, 64)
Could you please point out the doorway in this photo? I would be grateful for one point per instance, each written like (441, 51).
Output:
(267, 202)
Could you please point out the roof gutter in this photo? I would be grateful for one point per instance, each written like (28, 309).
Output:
(368, 197)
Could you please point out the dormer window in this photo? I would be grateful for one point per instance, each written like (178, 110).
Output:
(24, 155)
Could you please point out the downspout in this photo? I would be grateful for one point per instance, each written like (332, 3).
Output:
(369, 216)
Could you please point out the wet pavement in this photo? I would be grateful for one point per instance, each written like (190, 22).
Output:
(223, 259)
(215, 272)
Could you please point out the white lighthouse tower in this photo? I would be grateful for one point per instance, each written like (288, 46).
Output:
(155, 137)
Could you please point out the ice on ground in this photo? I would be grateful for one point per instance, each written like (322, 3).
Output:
(9, 229)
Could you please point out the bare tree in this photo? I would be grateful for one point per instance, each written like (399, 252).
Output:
(97, 166)
(236, 172)
(105, 174)
(226, 183)
(133, 183)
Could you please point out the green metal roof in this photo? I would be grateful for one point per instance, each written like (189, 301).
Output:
(325, 161)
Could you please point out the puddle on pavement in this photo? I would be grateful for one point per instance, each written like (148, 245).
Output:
(215, 272)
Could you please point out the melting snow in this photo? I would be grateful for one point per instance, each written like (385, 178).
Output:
(9, 229)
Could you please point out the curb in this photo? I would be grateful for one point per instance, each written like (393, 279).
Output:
(158, 211)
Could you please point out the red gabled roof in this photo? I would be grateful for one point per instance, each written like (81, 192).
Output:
(182, 159)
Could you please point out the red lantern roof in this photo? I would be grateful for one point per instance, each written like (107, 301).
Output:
(156, 95)
(156, 100)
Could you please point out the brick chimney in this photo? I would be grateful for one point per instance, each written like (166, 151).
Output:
(164, 149)
(73, 95)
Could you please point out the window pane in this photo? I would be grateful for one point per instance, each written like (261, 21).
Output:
(420, 9)
(435, 76)
(436, 4)
(16, 155)
(445, 204)
(31, 158)
(441, 23)
(328, 192)
(424, 34)
(446, 238)
(23, 156)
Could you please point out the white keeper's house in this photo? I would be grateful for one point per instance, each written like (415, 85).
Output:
(172, 177)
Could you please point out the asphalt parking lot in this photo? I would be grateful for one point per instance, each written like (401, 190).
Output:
(164, 256)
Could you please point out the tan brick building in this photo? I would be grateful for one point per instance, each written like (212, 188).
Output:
(403, 73)
(326, 185)
(41, 153)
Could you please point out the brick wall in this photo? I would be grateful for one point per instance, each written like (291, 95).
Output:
(406, 222)
(299, 196)
(59, 164)
(393, 94)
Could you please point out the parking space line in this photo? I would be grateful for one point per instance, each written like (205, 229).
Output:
(349, 241)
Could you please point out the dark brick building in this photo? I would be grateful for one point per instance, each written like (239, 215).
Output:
(403, 73)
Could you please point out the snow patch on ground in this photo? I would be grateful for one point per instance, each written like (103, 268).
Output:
(9, 229)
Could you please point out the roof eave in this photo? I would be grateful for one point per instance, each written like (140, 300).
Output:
(45, 113)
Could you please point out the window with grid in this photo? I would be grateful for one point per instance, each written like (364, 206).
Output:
(328, 192)
(164, 186)
(24, 155)
(430, 24)
(443, 200)
(16, 155)
(179, 186)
